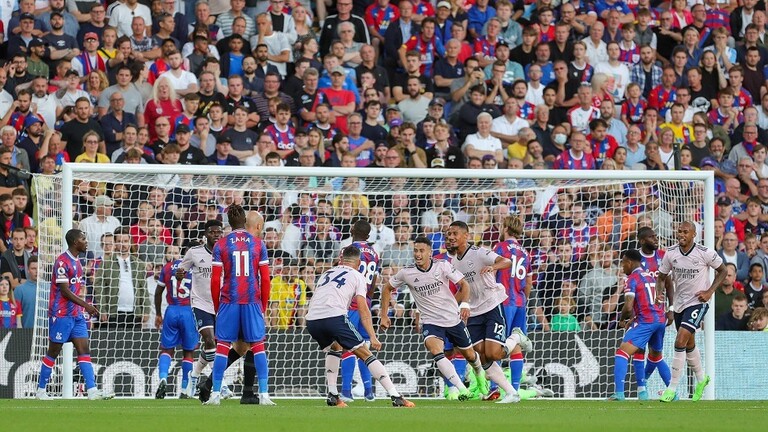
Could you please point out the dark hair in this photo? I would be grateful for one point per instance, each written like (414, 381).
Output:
(423, 240)
(350, 253)
(632, 255)
(72, 236)
(32, 260)
(213, 223)
(459, 224)
(360, 230)
(236, 216)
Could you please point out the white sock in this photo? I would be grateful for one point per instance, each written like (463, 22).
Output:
(678, 363)
(379, 373)
(496, 374)
(512, 341)
(694, 362)
(477, 366)
(449, 372)
(200, 364)
(332, 363)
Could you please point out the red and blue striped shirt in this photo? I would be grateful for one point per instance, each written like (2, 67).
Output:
(176, 292)
(514, 279)
(240, 255)
(369, 268)
(66, 270)
(643, 285)
(10, 314)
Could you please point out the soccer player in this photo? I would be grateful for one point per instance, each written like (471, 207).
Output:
(178, 326)
(516, 281)
(688, 265)
(328, 325)
(66, 321)
(241, 259)
(369, 268)
(643, 317)
(486, 324)
(443, 314)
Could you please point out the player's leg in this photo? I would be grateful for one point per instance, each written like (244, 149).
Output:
(517, 342)
(227, 331)
(494, 348)
(187, 363)
(655, 356)
(46, 368)
(79, 337)
(163, 365)
(189, 343)
(170, 337)
(433, 341)
(249, 379)
(687, 321)
(322, 331)
(634, 337)
(638, 369)
(365, 374)
(204, 322)
(348, 362)
(254, 331)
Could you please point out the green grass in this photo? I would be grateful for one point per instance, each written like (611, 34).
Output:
(429, 415)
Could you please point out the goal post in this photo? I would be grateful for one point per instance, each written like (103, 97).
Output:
(691, 193)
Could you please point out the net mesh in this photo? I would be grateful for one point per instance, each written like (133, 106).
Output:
(571, 233)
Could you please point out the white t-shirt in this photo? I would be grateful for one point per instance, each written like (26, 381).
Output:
(503, 126)
(199, 260)
(181, 82)
(488, 144)
(485, 293)
(618, 78)
(334, 292)
(125, 293)
(690, 272)
(580, 117)
(94, 229)
(431, 291)
(122, 18)
(277, 43)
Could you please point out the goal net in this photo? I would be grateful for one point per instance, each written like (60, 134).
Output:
(576, 226)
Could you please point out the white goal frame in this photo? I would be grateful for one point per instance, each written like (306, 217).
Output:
(69, 170)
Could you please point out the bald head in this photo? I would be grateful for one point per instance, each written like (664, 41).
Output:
(254, 223)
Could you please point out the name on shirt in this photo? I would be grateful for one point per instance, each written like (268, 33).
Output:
(686, 273)
(470, 275)
(238, 239)
(205, 272)
(429, 289)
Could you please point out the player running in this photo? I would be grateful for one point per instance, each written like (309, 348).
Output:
(177, 326)
(486, 324)
(328, 325)
(66, 321)
(688, 265)
(240, 259)
(369, 268)
(443, 314)
(644, 319)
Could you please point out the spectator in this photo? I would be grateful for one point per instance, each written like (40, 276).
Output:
(287, 298)
(14, 261)
(10, 308)
(727, 291)
(26, 294)
(604, 275)
(754, 287)
(736, 318)
(730, 254)
(99, 223)
(758, 320)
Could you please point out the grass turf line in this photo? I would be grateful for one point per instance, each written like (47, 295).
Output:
(429, 415)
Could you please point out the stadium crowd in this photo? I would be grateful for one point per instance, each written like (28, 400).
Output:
(470, 84)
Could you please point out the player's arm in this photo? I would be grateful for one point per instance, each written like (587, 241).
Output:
(499, 263)
(264, 279)
(386, 297)
(662, 280)
(184, 266)
(720, 273)
(70, 296)
(159, 304)
(365, 318)
(216, 270)
(372, 289)
(528, 283)
(626, 312)
(462, 298)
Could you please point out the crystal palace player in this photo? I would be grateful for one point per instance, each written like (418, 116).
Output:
(328, 325)
(241, 259)
(369, 268)
(644, 319)
(65, 316)
(178, 326)
(487, 324)
(516, 280)
(443, 314)
(688, 265)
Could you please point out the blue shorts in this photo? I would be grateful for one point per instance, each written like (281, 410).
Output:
(354, 318)
(240, 322)
(516, 317)
(204, 319)
(339, 329)
(457, 335)
(691, 317)
(179, 328)
(642, 334)
(491, 325)
(65, 329)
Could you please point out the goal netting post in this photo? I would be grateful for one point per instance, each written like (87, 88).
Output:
(155, 212)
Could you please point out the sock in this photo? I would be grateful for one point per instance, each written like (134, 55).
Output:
(449, 372)
(452, 359)
(232, 357)
(494, 372)
(379, 372)
(694, 362)
(249, 374)
(516, 369)
(209, 355)
(86, 368)
(223, 350)
(512, 341)
(620, 366)
(460, 364)
(200, 364)
(261, 366)
(332, 362)
(186, 368)
(655, 363)
(163, 364)
(477, 366)
(347, 373)
(365, 377)
(678, 363)
(638, 367)
(45, 371)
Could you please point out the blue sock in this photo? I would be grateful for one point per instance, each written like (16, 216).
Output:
(516, 369)
(620, 366)
(347, 372)
(163, 365)
(262, 371)
(220, 365)
(460, 364)
(45, 371)
(186, 369)
(365, 376)
(86, 368)
(638, 367)
(658, 363)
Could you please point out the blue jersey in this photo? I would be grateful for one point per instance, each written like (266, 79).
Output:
(514, 278)
(369, 268)
(643, 286)
(176, 292)
(66, 270)
(240, 255)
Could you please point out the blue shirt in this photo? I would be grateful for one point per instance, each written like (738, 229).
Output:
(477, 18)
(25, 294)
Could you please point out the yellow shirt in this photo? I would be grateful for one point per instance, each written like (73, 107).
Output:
(100, 158)
(289, 298)
(683, 133)
(517, 151)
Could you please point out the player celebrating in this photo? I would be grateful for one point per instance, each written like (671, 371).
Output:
(443, 314)
(648, 324)
(328, 325)
(178, 326)
(242, 260)
(688, 263)
(66, 321)
(486, 324)
(369, 268)
(516, 281)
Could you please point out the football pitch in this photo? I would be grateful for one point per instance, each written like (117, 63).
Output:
(428, 415)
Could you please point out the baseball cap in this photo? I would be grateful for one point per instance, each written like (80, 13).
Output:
(438, 163)
(182, 128)
(90, 35)
(26, 16)
(502, 42)
(70, 73)
(724, 200)
(393, 107)
(437, 101)
(444, 4)
(54, 13)
(395, 122)
(36, 42)
(708, 161)
(338, 70)
(30, 120)
(102, 201)
(301, 131)
(381, 144)
(211, 203)
(223, 139)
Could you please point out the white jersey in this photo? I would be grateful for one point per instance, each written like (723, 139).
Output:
(334, 292)
(485, 293)
(431, 291)
(198, 259)
(690, 272)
